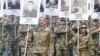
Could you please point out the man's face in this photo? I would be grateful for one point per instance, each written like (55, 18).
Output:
(30, 6)
(42, 22)
(62, 22)
(52, 1)
(83, 28)
(95, 23)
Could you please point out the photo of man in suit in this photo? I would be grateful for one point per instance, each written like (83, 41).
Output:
(30, 11)
(13, 4)
(51, 3)
(97, 6)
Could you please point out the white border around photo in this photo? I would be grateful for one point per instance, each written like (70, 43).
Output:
(1, 10)
(23, 20)
(78, 16)
(94, 14)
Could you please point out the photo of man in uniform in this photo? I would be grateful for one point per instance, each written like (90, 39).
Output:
(78, 6)
(30, 11)
(13, 4)
(64, 5)
(97, 6)
(51, 3)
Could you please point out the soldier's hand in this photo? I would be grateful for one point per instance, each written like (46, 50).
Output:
(67, 44)
(28, 39)
(66, 30)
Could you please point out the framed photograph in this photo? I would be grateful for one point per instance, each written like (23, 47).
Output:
(78, 10)
(51, 3)
(42, 6)
(13, 4)
(30, 11)
(64, 8)
(1, 8)
(51, 7)
(96, 8)
(12, 7)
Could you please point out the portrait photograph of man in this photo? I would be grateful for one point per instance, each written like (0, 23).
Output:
(1, 8)
(78, 6)
(64, 5)
(13, 4)
(51, 3)
(30, 10)
(96, 5)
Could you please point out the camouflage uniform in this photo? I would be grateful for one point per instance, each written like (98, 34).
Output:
(21, 38)
(95, 38)
(61, 48)
(9, 38)
(85, 40)
(43, 42)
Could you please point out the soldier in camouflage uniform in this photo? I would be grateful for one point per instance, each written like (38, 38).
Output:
(95, 37)
(22, 32)
(85, 41)
(9, 36)
(63, 41)
(42, 40)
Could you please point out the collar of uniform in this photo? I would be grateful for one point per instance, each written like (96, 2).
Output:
(41, 28)
(82, 34)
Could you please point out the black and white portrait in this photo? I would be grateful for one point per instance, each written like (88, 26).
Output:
(1, 8)
(78, 6)
(64, 5)
(51, 3)
(42, 6)
(13, 4)
(96, 5)
(30, 10)
(78, 10)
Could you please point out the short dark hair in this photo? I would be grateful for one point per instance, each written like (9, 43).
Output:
(84, 24)
(95, 20)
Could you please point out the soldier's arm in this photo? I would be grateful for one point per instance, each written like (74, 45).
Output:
(72, 35)
(51, 44)
(90, 42)
(98, 30)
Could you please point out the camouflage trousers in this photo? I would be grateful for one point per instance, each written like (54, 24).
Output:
(62, 52)
(85, 52)
(31, 53)
(96, 52)
(11, 49)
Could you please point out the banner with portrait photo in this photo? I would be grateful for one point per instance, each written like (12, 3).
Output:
(78, 10)
(90, 7)
(12, 7)
(64, 8)
(30, 11)
(96, 8)
(1, 8)
(51, 7)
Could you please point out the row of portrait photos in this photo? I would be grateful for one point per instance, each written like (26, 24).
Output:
(30, 10)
